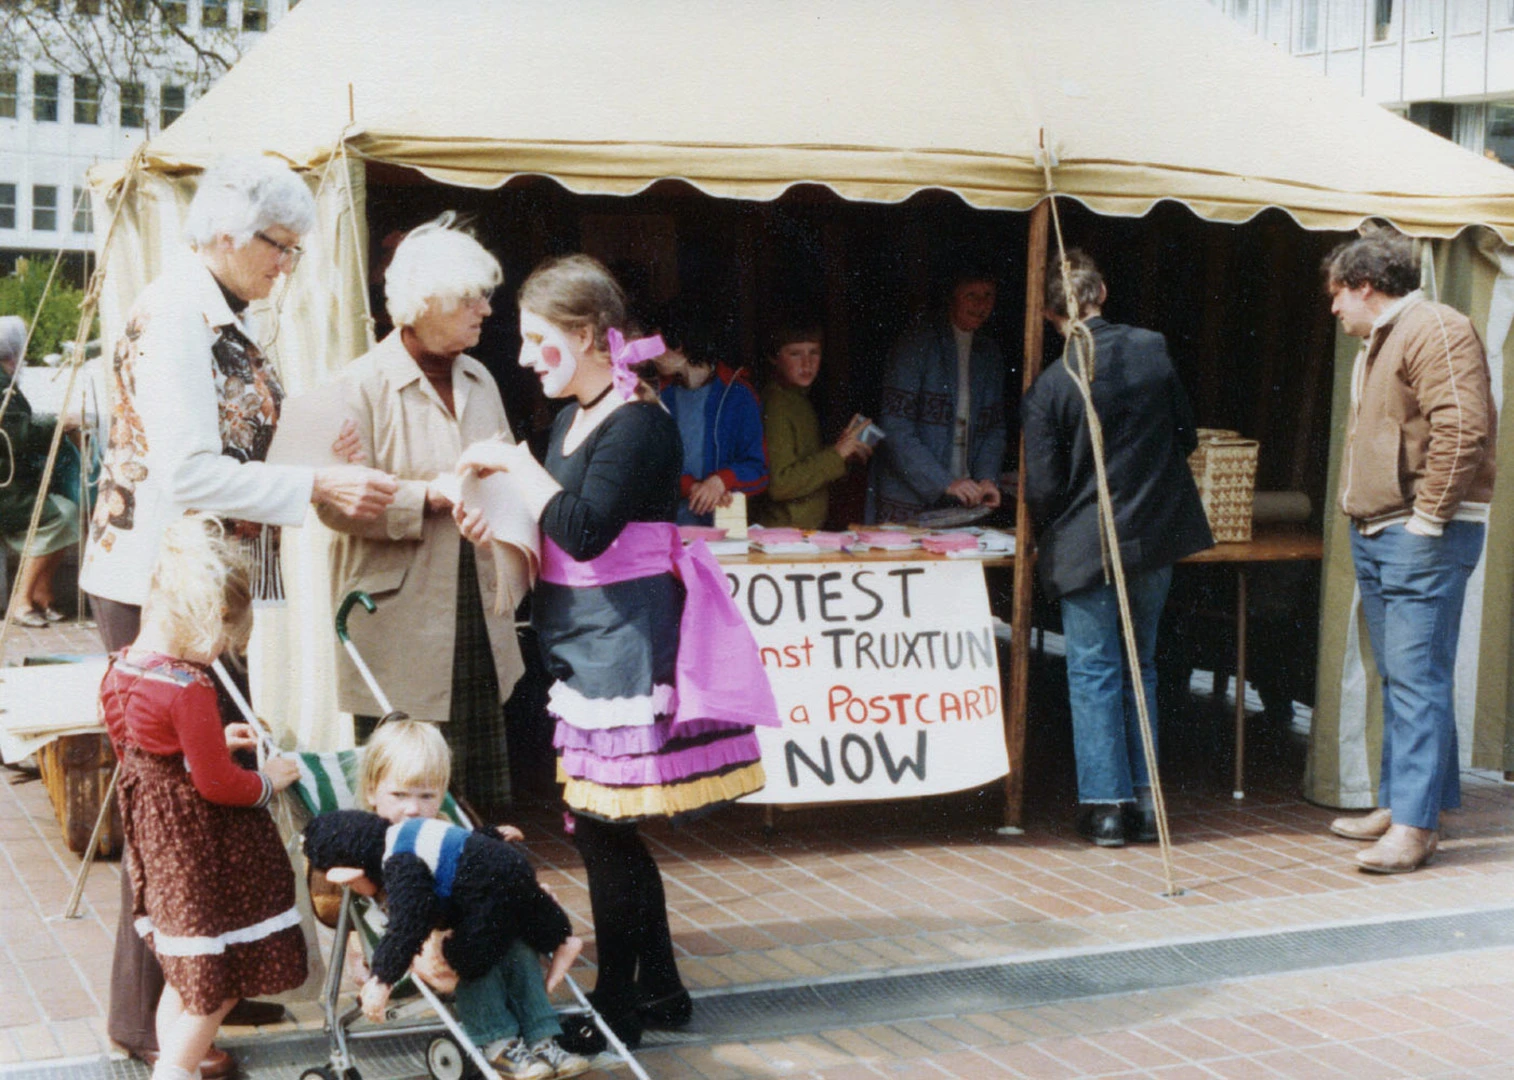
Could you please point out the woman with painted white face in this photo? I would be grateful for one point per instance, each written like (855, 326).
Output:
(639, 734)
(418, 398)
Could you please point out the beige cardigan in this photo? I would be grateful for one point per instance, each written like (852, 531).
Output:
(406, 561)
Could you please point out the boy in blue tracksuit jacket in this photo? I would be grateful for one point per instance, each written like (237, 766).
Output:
(720, 421)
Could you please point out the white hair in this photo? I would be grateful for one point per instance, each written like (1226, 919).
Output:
(437, 261)
(12, 339)
(241, 196)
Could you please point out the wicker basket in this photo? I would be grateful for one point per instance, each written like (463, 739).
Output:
(76, 771)
(1224, 468)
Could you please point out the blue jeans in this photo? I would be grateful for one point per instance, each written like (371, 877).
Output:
(1106, 730)
(510, 1000)
(1412, 589)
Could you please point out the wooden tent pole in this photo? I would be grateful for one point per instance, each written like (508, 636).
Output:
(1019, 645)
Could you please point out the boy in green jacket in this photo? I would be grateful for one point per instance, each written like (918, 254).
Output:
(800, 467)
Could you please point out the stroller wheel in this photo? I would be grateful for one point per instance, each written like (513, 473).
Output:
(326, 1072)
(446, 1060)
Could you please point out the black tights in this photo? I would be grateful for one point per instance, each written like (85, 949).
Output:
(630, 917)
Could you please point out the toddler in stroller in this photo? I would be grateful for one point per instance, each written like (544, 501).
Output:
(475, 883)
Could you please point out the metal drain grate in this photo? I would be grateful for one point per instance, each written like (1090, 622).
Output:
(809, 1006)
(806, 1006)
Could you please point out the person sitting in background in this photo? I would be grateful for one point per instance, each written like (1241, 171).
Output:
(801, 468)
(28, 438)
(719, 420)
(1148, 434)
(943, 411)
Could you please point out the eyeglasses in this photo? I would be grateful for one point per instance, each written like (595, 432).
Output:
(292, 252)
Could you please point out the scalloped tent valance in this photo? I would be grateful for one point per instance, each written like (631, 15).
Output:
(1135, 102)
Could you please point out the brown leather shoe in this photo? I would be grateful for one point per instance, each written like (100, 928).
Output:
(1365, 826)
(1402, 849)
(217, 1064)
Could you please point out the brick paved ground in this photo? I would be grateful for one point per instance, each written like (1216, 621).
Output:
(866, 890)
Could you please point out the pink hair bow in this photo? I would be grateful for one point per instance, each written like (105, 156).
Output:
(623, 354)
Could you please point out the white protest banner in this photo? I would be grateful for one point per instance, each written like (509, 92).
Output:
(886, 677)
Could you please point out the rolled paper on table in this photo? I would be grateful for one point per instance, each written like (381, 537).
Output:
(1279, 507)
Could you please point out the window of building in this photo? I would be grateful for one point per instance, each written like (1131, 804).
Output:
(44, 97)
(44, 208)
(84, 214)
(1469, 16)
(86, 99)
(1276, 30)
(172, 106)
(1498, 135)
(1503, 13)
(8, 84)
(1384, 26)
(254, 14)
(7, 206)
(133, 105)
(175, 12)
(1347, 21)
(213, 14)
(1240, 11)
(1306, 29)
(134, 9)
(86, 7)
(1425, 18)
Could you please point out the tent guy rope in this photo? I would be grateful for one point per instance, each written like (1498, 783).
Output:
(1080, 358)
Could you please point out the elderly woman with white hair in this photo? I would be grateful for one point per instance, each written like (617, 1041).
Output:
(27, 438)
(194, 404)
(441, 646)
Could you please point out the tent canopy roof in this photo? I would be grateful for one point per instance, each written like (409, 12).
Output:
(1135, 102)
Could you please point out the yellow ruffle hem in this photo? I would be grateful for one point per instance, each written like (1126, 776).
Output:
(661, 800)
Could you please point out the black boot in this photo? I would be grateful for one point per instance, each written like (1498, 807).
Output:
(1140, 821)
(1140, 818)
(1102, 823)
(580, 1035)
(671, 1011)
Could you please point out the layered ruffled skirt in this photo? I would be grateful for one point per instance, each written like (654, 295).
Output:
(642, 731)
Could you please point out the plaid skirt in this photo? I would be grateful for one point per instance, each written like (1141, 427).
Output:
(475, 727)
(212, 888)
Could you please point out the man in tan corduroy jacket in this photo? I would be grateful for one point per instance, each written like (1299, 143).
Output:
(1416, 480)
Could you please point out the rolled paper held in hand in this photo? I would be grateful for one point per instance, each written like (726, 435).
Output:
(517, 547)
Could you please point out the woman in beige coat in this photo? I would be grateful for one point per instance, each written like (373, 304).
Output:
(440, 645)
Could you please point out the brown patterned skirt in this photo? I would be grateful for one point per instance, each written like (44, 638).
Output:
(212, 889)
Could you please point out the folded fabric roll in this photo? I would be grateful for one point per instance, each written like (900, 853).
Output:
(689, 533)
(832, 541)
(885, 538)
(943, 543)
(780, 535)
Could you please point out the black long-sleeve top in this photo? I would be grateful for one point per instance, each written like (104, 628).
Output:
(626, 470)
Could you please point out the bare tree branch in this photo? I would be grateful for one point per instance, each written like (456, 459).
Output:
(127, 41)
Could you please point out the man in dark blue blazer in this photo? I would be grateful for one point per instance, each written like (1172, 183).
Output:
(1148, 434)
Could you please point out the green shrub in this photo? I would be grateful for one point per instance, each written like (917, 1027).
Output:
(21, 292)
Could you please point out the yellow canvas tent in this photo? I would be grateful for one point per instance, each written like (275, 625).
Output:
(1135, 103)
(1118, 105)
